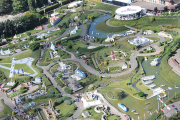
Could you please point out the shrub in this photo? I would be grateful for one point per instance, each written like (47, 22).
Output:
(104, 55)
(28, 33)
(141, 94)
(67, 102)
(68, 90)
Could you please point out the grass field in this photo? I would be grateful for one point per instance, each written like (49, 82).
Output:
(125, 42)
(6, 72)
(107, 29)
(94, 115)
(106, 7)
(25, 67)
(64, 109)
(6, 65)
(6, 109)
(146, 21)
(20, 56)
(13, 94)
(114, 117)
(167, 73)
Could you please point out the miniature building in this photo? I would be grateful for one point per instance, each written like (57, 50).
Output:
(78, 75)
(62, 65)
(37, 80)
(140, 41)
(11, 83)
(90, 96)
(74, 31)
(26, 106)
(155, 62)
(86, 114)
(74, 4)
(6, 52)
(38, 28)
(54, 53)
(149, 48)
(4, 40)
(54, 20)
(50, 112)
(41, 36)
(125, 66)
(14, 41)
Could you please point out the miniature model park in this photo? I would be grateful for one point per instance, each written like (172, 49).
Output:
(89, 60)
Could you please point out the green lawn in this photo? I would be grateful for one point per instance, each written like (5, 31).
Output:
(167, 73)
(153, 38)
(146, 21)
(6, 109)
(20, 56)
(25, 67)
(6, 65)
(107, 29)
(106, 7)
(64, 109)
(94, 115)
(6, 72)
(138, 75)
(125, 42)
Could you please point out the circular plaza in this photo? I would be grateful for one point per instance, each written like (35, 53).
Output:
(128, 12)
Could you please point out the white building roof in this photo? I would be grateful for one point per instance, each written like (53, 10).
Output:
(128, 10)
(124, 1)
(73, 4)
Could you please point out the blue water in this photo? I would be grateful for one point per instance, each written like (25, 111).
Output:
(93, 28)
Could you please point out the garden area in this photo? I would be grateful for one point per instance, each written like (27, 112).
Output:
(25, 68)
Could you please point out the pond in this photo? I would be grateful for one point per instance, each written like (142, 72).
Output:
(139, 105)
(95, 33)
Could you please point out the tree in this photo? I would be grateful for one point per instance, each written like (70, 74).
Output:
(34, 46)
(141, 94)
(106, 70)
(13, 113)
(39, 3)
(19, 5)
(28, 33)
(119, 94)
(60, 75)
(159, 44)
(68, 90)
(168, 50)
(31, 4)
(104, 55)
(5, 6)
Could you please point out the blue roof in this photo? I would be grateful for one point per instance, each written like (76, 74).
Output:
(81, 72)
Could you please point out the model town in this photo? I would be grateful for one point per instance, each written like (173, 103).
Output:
(89, 60)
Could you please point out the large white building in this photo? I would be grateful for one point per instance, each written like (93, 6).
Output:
(129, 12)
(140, 41)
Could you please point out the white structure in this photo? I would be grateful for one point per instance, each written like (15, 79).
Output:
(109, 39)
(155, 62)
(37, 80)
(90, 96)
(128, 12)
(41, 36)
(74, 31)
(125, 66)
(149, 48)
(140, 41)
(148, 77)
(3, 40)
(6, 52)
(148, 32)
(62, 65)
(78, 75)
(54, 14)
(11, 83)
(53, 54)
(74, 4)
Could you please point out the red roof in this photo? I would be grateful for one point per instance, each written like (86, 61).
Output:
(112, 52)
(113, 58)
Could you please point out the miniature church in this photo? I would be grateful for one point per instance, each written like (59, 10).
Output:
(53, 54)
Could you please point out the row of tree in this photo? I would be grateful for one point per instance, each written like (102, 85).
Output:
(19, 25)
(7, 6)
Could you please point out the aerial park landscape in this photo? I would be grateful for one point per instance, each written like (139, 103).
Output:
(90, 59)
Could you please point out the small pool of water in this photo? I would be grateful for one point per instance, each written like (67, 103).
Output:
(95, 33)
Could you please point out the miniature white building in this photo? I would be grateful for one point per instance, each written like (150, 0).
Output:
(6, 52)
(125, 66)
(149, 48)
(74, 31)
(74, 4)
(11, 83)
(37, 80)
(155, 62)
(140, 41)
(78, 75)
(54, 53)
(41, 36)
(62, 65)
(109, 39)
(4, 40)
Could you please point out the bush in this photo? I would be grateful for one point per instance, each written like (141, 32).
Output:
(68, 90)
(28, 33)
(34, 46)
(67, 102)
(141, 94)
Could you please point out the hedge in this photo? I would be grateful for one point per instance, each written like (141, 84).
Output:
(69, 38)
(90, 50)
(68, 90)
(60, 100)
(12, 87)
(65, 2)
(52, 7)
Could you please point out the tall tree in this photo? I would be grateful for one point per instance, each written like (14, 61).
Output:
(39, 3)
(31, 4)
(19, 5)
(5, 6)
